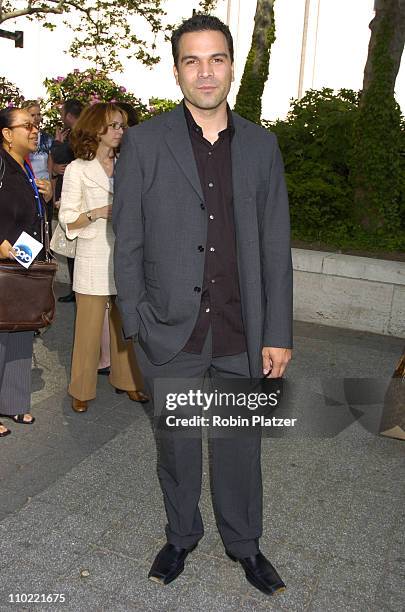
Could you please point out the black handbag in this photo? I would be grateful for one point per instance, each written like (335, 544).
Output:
(27, 299)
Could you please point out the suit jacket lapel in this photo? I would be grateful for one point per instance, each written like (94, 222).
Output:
(95, 172)
(179, 143)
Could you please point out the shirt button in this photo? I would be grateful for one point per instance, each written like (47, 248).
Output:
(212, 249)
(207, 310)
(197, 289)
(201, 248)
(35, 233)
(211, 216)
(213, 280)
(210, 185)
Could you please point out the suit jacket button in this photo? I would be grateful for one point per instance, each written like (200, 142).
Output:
(197, 289)
(202, 205)
(201, 248)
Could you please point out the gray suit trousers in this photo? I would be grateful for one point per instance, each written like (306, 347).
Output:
(15, 372)
(235, 469)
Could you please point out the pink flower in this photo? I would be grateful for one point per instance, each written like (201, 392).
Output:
(113, 101)
(10, 105)
(123, 89)
(76, 71)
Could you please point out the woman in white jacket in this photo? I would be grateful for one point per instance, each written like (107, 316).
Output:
(85, 212)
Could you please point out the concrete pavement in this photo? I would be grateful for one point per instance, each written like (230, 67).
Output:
(81, 512)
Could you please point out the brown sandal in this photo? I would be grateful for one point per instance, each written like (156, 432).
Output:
(3, 434)
(19, 418)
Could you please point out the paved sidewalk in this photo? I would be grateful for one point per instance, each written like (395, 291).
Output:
(81, 512)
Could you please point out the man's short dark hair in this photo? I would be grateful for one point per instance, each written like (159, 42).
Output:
(74, 107)
(200, 23)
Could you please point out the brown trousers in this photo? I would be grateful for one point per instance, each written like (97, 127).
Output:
(125, 373)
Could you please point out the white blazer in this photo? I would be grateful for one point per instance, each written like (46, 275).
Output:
(86, 186)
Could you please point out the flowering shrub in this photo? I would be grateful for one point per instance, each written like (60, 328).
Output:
(89, 86)
(10, 95)
(160, 105)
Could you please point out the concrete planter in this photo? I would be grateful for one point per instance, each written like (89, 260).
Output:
(342, 291)
(348, 291)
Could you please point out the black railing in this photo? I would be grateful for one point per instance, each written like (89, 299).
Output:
(17, 36)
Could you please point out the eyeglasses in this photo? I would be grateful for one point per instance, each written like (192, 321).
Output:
(28, 126)
(117, 126)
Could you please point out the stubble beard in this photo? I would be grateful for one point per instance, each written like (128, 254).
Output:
(201, 102)
(207, 104)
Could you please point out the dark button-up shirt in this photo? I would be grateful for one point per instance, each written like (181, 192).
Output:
(220, 297)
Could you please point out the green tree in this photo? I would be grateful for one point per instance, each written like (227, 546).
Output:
(378, 170)
(256, 72)
(10, 95)
(316, 141)
(102, 28)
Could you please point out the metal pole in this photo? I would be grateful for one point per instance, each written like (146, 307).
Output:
(228, 12)
(303, 48)
(316, 44)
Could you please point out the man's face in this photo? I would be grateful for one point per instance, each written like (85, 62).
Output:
(68, 119)
(35, 113)
(62, 115)
(204, 69)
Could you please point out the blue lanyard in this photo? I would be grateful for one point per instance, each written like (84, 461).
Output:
(35, 188)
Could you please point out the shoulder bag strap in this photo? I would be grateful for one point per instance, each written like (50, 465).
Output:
(2, 170)
(42, 209)
(45, 236)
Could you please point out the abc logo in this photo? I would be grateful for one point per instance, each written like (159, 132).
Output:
(23, 253)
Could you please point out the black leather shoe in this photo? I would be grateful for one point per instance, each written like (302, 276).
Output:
(70, 297)
(260, 573)
(169, 563)
(104, 371)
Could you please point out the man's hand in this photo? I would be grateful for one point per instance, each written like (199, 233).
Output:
(59, 168)
(61, 135)
(275, 361)
(6, 250)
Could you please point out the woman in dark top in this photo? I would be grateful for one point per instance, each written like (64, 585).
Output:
(22, 204)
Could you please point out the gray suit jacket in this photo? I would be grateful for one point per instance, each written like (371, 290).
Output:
(159, 221)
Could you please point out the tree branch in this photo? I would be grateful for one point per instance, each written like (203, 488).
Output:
(58, 9)
(30, 10)
(103, 28)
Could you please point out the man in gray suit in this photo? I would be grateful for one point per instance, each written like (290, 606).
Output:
(204, 279)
